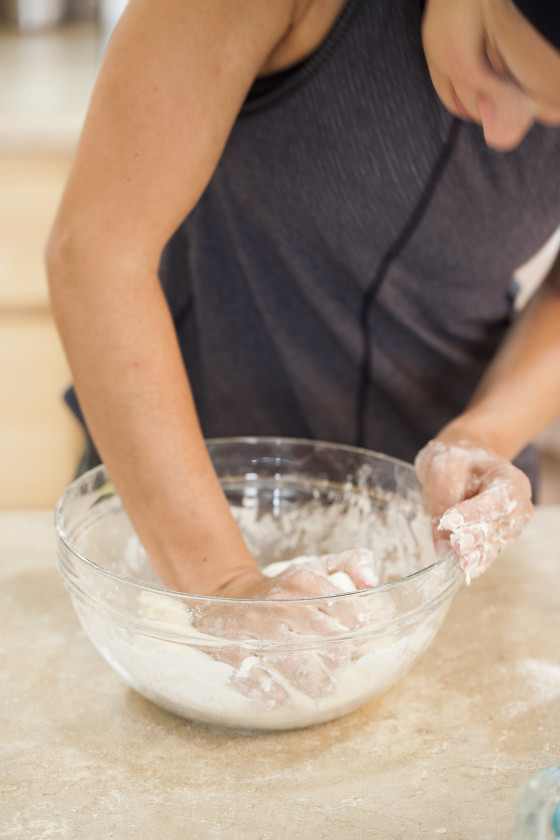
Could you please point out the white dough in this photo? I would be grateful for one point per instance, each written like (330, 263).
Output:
(189, 681)
(159, 649)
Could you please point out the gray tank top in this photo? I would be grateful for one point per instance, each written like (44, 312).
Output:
(347, 274)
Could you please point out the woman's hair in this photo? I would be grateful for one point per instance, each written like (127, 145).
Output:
(544, 15)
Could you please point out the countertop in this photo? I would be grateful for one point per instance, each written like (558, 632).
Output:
(439, 755)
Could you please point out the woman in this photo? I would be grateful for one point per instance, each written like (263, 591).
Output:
(345, 188)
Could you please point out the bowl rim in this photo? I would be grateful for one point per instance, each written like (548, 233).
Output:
(450, 558)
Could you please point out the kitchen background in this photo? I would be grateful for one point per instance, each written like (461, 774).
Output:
(49, 54)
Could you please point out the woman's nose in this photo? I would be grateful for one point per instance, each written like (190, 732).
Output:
(505, 119)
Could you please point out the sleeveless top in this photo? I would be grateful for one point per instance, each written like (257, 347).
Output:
(347, 275)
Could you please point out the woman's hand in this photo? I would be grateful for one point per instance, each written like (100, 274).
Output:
(306, 578)
(479, 501)
(265, 678)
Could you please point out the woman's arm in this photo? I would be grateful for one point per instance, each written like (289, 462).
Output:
(174, 78)
(520, 393)
(478, 499)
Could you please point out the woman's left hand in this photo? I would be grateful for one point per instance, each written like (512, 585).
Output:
(479, 501)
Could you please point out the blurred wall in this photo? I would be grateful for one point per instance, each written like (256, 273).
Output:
(45, 82)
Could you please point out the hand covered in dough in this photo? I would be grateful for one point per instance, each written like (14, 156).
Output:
(479, 501)
(264, 678)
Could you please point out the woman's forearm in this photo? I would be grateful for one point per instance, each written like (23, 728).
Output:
(174, 77)
(520, 393)
(132, 387)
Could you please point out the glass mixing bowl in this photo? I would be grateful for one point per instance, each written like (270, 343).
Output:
(224, 661)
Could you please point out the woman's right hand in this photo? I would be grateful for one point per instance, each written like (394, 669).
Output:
(310, 672)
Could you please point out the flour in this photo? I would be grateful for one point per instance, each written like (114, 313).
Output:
(162, 648)
(398, 533)
(187, 678)
(537, 683)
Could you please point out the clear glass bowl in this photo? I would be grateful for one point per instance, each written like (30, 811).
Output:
(290, 498)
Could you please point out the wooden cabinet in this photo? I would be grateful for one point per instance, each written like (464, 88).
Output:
(39, 439)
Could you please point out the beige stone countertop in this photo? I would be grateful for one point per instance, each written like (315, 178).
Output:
(440, 755)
